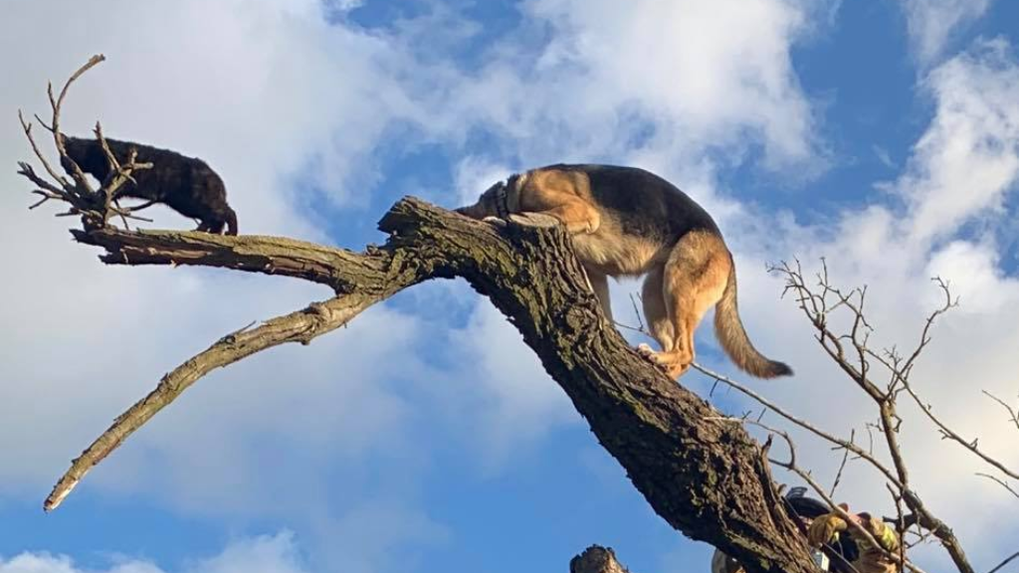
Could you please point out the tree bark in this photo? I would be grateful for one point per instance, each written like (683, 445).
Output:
(706, 477)
(597, 559)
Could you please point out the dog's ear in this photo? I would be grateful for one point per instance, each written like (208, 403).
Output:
(491, 190)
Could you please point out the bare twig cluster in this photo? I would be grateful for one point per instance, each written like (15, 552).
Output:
(95, 205)
(915, 521)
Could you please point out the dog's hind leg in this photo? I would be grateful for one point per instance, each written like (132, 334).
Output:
(694, 278)
(655, 312)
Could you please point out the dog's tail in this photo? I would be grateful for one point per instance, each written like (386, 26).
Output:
(732, 336)
(231, 221)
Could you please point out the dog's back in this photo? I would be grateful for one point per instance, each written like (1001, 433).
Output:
(644, 203)
(185, 184)
(642, 217)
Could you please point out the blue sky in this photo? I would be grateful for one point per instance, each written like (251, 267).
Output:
(882, 135)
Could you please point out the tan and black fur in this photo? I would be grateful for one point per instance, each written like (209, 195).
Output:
(185, 184)
(629, 222)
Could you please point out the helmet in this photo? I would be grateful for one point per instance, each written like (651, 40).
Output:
(803, 507)
(799, 505)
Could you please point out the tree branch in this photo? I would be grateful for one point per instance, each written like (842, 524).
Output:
(817, 303)
(707, 479)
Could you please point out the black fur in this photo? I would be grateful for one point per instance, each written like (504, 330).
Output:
(185, 184)
(645, 204)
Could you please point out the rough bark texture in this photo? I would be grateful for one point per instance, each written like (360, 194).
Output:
(597, 559)
(707, 478)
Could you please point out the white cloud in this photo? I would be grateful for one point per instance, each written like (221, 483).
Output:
(265, 554)
(968, 159)
(343, 5)
(933, 24)
(474, 175)
(695, 76)
(519, 402)
(378, 535)
(884, 157)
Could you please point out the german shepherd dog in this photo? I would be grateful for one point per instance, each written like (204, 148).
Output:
(626, 221)
(185, 184)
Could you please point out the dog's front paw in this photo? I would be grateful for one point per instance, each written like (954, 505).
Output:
(495, 221)
(529, 219)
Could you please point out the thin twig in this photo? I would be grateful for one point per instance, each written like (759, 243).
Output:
(27, 128)
(1000, 482)
(1013, 414)
(842, 465)
(827, 436)
(1005, 562)
(58, 138)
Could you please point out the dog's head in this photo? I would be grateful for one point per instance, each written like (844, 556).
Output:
(87, 154)
(499, 200)
(490, 204)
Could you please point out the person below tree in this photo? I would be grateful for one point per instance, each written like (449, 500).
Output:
(853, 554)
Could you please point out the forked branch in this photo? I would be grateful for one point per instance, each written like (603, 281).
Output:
(96, 206)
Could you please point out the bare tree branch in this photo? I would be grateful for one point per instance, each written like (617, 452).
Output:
(827, 436)
(950, 434)
(1013, 413)
(96, 206)
(300, 326)
(806, 476)
(708, 480)
(842, 465)
(817, 304)
(1000, 482)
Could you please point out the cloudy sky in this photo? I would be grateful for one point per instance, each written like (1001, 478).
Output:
(881, 135)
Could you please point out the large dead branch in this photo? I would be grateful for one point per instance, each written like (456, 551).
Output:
(707, 478)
